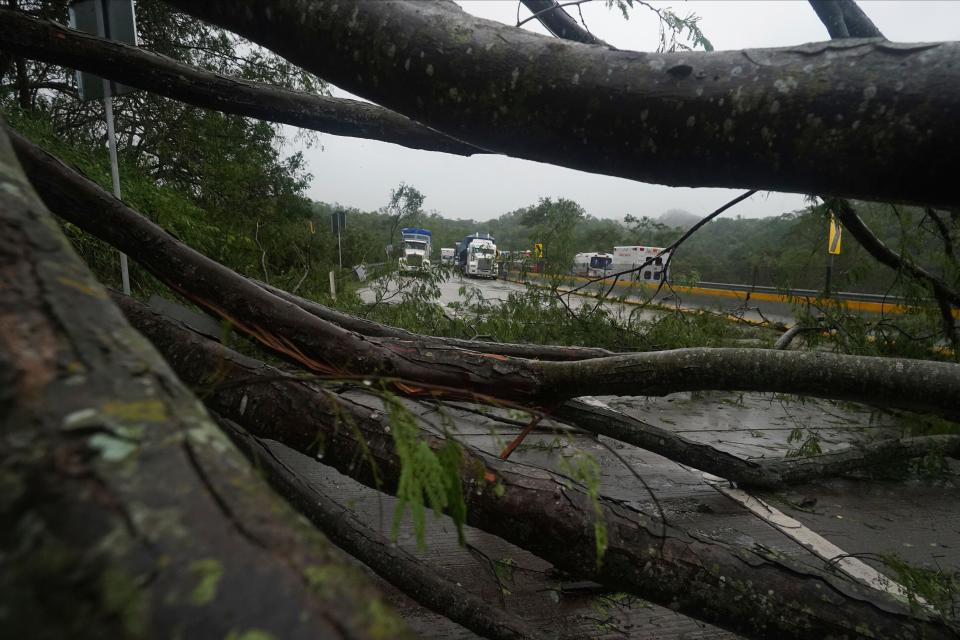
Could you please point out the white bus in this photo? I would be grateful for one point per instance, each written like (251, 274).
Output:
(592, 264)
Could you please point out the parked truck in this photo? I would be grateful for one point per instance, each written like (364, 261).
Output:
(448, 255)
(477, 256)
(415, 249)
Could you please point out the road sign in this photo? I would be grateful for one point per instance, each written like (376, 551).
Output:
(110, 19)
(836, 233)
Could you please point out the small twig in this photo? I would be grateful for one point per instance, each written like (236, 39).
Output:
(520, 438)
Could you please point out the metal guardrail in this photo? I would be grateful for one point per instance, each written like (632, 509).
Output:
(802, 293)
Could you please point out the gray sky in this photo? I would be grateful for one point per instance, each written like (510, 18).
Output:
(361, 173)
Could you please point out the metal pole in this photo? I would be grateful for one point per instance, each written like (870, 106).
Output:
(115, 174)
(102, 11)
(339, 247)
(829, 274)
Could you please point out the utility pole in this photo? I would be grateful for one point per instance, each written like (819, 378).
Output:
(113, 20)
(338, 220)
(115, 174)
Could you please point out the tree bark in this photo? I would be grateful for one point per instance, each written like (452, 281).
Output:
(415, 368)
(50, 42)
(748, 589)
(865, 119)
(124, 512)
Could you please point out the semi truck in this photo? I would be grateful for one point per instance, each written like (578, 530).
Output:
(448, 255)
(415, 249)
(477, 256)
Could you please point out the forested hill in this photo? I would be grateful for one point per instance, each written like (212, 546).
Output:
(788, 250)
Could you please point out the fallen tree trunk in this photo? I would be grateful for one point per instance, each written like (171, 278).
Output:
(801, 119)
(747, 589)
(48, 41)
(124, 512)
(401, 569)
(431, 369)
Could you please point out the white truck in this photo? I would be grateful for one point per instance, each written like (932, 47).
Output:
(477, 256)
(415, 249)
(448, 256)
(654, 260)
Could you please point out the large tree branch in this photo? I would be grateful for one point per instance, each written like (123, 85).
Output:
(746, 588)
(48, 41)
(863, 119)
(124, 511)
(328, 349)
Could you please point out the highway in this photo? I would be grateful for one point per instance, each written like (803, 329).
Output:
(752, 304)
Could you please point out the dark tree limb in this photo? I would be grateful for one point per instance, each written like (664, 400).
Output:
(767, 473)
(797, 119)
(403, 570)
(427, 369)
(50, 42)
(124, 511)
(748, 589)
(844, 19)
(558, 22)
(883, 254)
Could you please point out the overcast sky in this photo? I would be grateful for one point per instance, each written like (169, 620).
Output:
(361, 173)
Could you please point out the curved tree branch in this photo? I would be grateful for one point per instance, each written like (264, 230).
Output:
(50, 42)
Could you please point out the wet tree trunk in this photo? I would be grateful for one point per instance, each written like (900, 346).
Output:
(865, 119)
(429, 368)
(124, 511)
(747, 589)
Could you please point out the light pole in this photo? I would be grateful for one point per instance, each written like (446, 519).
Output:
(113, 20)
